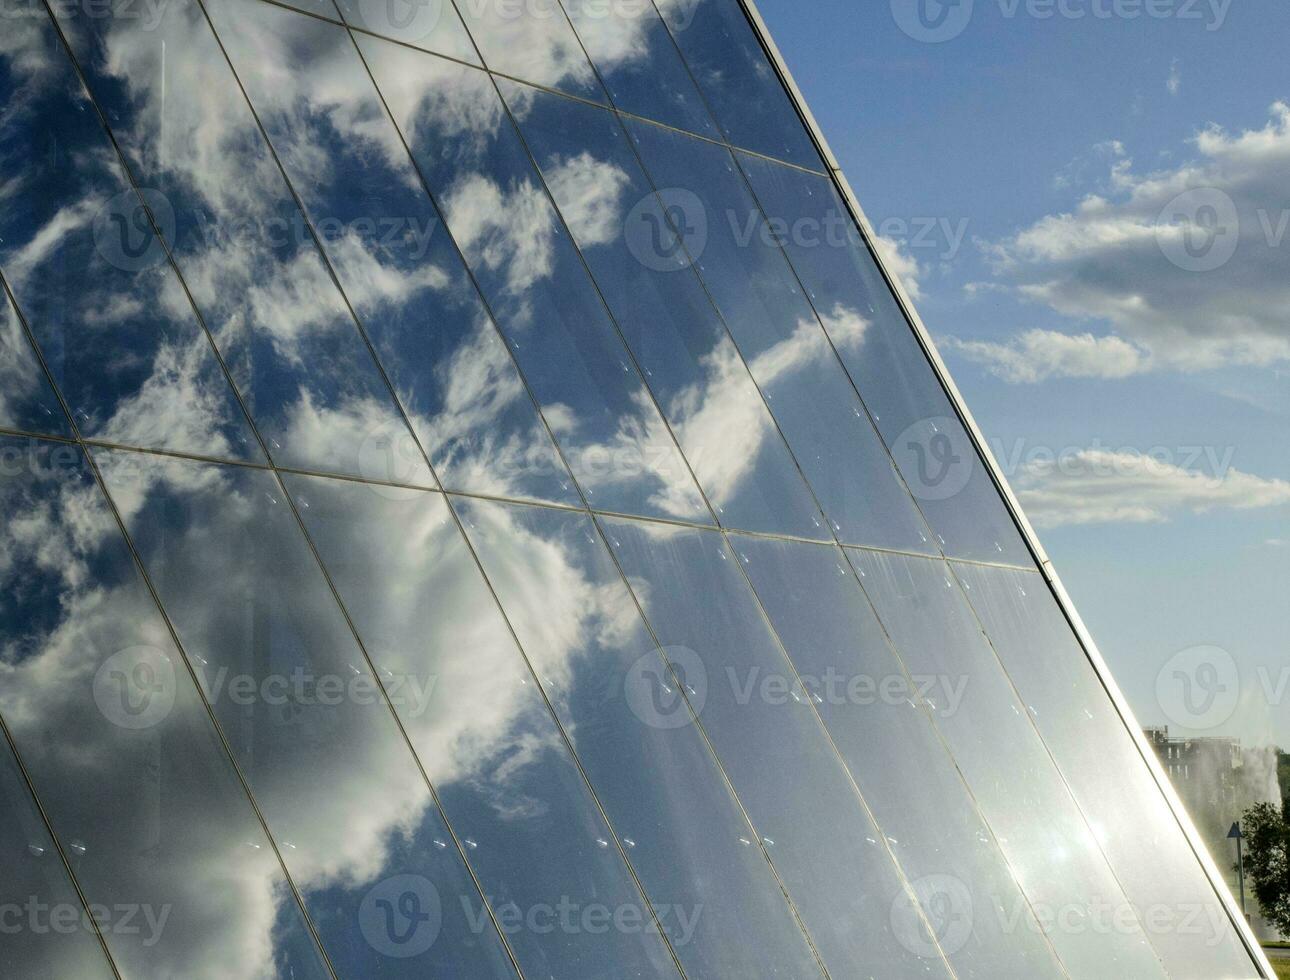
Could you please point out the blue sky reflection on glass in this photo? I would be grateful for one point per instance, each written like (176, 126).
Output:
(78, 251)
(241, 243)
(679, 339)
(614, 439)
(137, 769)
(683, 829)
(393, 255)
(338, 785)
(478, 722)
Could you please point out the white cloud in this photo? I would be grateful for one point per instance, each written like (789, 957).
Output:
(1107, 261)
(1173, 84)
(1097, 486)
(589, 192)
(901, 264)
(1038, 355)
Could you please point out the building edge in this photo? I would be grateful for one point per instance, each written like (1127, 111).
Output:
(1000, 480)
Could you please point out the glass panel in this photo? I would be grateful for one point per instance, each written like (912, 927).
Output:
(481, 728)
(35, 892)
(780, 336)
(429, 24)
(617, 445)
(27, 402)
(240, 241)
(740, 84)
(121, 749)
(687, 838)
(1043, 834)
(833, 860)
(876, 714)
(671, 326)
(639, 63)
(92, 279)
(909, 406)
(392, 255)
(532, 41)
(1105, 771)
(358, 828)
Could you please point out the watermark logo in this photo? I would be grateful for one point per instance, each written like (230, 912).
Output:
(135, 688)
(947, 904)
(411, 21)
(123, 233)
(654, 694)
(389, 455)
(668, 232)
(401, 916)
(1199, 687)
(935, 458)
(932, 21)
(1199, 230)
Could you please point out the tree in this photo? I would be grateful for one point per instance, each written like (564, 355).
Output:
(1267, 861)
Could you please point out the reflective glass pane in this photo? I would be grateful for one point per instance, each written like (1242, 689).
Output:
(910, 408)
(741, 86)
(26, 400)
(103, 303)
(876, 713)
(639, 62)
(1105, 771)
(834, 862)
(34, 889)
(678, 338)
(392, 255)
(430, 24)
(532, 41)
(479, 724)
(617, 445)
(779, 334)
(136, 782)
(1057, 860)
(240, 241)
(683, 830)
(341, 793)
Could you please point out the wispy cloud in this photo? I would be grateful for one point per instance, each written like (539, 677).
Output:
(1038, 355)
(1097, 486)
(1123, 258)
(1173, 84)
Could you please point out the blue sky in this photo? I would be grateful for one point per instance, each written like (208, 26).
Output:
(1032, 169)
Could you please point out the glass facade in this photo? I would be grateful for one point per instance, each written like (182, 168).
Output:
(450, 526)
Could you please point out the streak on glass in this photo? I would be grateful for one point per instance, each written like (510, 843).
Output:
(1092, 925)
(115, 327)
(834, 861)
(241, 243)
(638, 62)
(120, 748)
(429, 24)
(878, 715)
(1087, 737)
(616, 443)
(739, 259)
(910, 408)
(34, 887)
(358, 828)
(677, 336)
(27, 402)
(477, 720)
(682, 828)
(740, 84)
(392, 255)
(532, 40)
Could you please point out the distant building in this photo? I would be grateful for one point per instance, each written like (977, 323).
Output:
(1206, 772)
